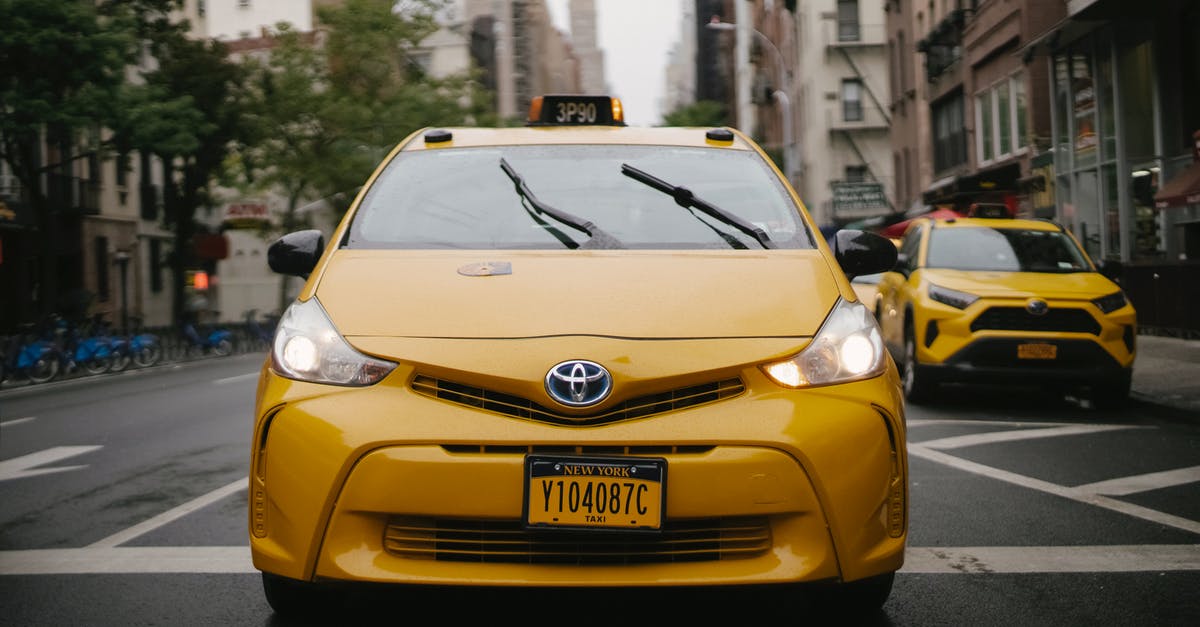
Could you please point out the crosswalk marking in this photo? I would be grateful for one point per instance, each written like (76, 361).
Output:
(27, 465)
(1122, 486)
(1021, 434)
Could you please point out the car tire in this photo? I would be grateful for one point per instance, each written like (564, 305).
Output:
(917, 387)
(1112, 394)
(856, 598)
(292, 598)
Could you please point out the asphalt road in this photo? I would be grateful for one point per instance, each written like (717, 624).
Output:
(123, 503)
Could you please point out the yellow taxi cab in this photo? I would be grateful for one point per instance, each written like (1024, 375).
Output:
(578, 354)
(989, 298)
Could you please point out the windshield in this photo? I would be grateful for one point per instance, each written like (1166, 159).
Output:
(1012, 250)
(463, 198)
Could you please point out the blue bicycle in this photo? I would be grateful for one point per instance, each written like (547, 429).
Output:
(27, 356)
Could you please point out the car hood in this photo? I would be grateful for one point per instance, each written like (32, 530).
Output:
(626, 294)
(1068, 286)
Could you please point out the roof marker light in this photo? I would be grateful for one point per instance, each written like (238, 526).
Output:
(438, 136)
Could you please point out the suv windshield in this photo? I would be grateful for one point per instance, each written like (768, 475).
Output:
(1004, 249)
(462, 198)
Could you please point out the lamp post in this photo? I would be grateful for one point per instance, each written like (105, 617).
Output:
(780, 94)
(121, 258)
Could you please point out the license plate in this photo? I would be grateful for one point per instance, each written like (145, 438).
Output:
(595, 492)
(1037, 351)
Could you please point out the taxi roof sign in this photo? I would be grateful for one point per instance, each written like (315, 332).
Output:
(575, 110)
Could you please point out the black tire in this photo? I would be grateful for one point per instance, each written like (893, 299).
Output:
(120, 361)
(223, 348)
(292, 598)
(1112, 394)
(917, 387)
(44, 369)
(97, 365)
(147, 356)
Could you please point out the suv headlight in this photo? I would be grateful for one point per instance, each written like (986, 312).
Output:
(954, 298)
(1110, 303)
(847, 348)
(308, 348)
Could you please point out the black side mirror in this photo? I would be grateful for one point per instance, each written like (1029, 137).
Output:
(296, 253)
(863, 252)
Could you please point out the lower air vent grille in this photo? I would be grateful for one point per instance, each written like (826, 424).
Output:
(508, 542)
(518, 407)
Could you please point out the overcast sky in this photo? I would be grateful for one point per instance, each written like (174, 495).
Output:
(636, 36)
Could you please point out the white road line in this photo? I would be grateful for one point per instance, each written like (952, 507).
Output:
(922, 422)
(147, 526)
(26, 465)
(1137, 511)
(1052, 559)
(15, 421)
(917, 560)
(128, 560)
(1021, 434)
(240, 377)
(1142, 483)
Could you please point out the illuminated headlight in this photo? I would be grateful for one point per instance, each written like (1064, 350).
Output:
(847, 348)
(1110, 303)
(308, 348)
(954, 298)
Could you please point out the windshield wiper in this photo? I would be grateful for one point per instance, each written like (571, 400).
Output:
(685, 198)
(598, 237)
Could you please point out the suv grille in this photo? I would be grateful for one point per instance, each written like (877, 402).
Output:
(518, 407)
(1017, 319)
(508, 542)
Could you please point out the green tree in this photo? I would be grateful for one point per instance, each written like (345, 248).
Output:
(61, 65)
(702, 113)
(187, 111)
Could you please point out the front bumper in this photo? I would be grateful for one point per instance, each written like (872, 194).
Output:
(814, 480)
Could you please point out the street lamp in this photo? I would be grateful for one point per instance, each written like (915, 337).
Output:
(780, 95)
(121, 258)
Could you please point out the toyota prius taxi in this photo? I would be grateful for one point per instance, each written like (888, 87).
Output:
(578, 354)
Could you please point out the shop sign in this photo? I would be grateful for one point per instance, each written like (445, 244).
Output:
(246, 215)
(858, 196)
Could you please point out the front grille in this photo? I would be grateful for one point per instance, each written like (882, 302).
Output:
(643, 406)
(507, 542)
(1017, 319)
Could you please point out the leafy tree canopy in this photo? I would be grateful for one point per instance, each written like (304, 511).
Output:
(702, 113)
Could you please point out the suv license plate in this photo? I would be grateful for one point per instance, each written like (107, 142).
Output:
(595, 492)
(1037, 351)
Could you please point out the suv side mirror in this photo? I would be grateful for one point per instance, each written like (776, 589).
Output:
(296, 253)
(863, 252)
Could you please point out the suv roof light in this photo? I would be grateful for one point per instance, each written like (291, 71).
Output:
(575, 110)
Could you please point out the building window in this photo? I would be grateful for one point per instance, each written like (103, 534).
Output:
(852, 110)
(949, 135)
(100, 254)
(847, 17)
(1000, 119)
(156, 266)
(856, 173)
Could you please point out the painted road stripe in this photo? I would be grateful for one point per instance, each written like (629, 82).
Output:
(235, 379)
(1020, 434)
(147, 526)
(26, 465)
(917, 560)
(1137, 511)
(15, 421)
(1143, 483)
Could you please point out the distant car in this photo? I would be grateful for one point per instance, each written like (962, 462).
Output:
(578, 354)
(1002, 300)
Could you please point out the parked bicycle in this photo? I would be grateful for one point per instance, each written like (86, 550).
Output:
(217, 341)
(28, 356)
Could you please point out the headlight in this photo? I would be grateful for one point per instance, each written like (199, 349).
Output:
(954, 298)
(308, 348)
(847, 348)
(1110, 303)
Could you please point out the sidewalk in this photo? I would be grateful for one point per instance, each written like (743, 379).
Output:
(1167, 373)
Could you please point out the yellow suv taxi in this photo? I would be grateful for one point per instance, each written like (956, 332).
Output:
(1003, 300)
(578, 354)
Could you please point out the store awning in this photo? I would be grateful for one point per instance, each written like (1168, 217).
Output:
(1183, 189)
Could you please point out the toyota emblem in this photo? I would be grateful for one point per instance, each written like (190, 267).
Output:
(578, 383)
(1037, 307)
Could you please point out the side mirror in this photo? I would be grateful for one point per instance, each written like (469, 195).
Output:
(863, 252)
(296, 253)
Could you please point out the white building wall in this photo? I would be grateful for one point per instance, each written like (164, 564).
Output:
(243, 19)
